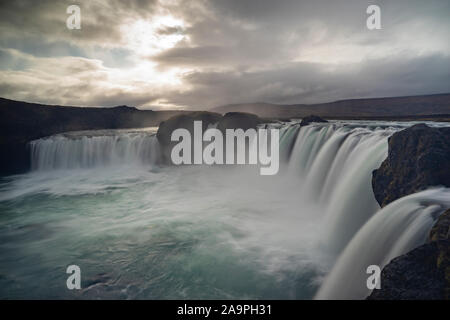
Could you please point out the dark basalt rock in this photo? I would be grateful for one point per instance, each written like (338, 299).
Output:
(412, 276)
(185, 121)
(310, 119)
(423, 273)
(440, 234)
(238, 120)
(419, 157)
(441, 229)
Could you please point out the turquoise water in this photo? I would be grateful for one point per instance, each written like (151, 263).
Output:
(138, 233)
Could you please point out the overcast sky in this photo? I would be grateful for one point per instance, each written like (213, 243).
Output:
(202, 54)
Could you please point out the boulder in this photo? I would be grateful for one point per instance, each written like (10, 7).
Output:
(238, 120)
(418, 157)
(310, 119)
(185, 121)
(412, 276)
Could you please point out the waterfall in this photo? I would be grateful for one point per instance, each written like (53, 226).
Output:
(396, 229)
(328, 166)
(74, 151)
(334, 164)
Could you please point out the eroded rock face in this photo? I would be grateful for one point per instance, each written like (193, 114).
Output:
(238, 120)
(310, 119)
(412, 276)
(419, 157)
(423, 273)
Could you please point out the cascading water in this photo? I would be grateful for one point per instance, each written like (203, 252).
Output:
(207, 232)
(396, 229)
(85, 150)
(334, 164)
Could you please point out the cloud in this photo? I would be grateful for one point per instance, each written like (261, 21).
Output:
(46, 19)
(200, 54)
(71, 81)
(313, 82)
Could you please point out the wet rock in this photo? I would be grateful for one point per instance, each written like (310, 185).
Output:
(185, 121)
(440, 233)
(412, 276)
(238, 120)
(441, 229)
(418, 157)
(423, 273)
(310, 119)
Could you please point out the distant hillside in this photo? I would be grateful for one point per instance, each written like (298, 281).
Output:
(413, 106)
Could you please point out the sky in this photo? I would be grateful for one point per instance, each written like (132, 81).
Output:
(199, 54)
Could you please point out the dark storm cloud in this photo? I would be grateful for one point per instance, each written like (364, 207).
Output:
(45, 19)
(310, 82)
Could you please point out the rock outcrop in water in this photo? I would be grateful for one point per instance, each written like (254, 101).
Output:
(185, 121)
(423, 273)
(418, 157)
(231, 120)
(310, 119)
(241, 120)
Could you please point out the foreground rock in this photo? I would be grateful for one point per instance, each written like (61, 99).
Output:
(423, 273)
(419, 157)
(310, 119)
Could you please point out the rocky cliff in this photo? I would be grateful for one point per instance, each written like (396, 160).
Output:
(418, 157)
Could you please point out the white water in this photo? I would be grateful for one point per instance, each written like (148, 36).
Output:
(89, 149)
(396, 229)
(209, 232)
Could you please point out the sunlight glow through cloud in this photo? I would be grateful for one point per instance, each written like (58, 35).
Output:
(144, 38)
(201, 54)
